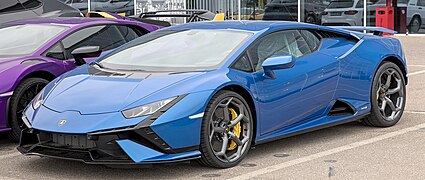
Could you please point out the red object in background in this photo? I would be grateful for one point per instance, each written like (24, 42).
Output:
(385, 17)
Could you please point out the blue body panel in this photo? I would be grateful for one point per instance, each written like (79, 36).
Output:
(298, 99)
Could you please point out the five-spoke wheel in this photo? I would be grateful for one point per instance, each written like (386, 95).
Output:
(227, 130)
(388, 96)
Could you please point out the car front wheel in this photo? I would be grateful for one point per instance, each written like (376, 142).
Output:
(227, 130)
(21, 97)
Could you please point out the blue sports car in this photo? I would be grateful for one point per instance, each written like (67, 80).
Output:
(211, 90)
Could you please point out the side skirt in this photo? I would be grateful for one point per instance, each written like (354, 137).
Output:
(312, 129)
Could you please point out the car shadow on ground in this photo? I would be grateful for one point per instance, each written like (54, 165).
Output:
(68, 169)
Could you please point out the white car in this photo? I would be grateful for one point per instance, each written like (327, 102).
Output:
(343, 13)
(415, 15)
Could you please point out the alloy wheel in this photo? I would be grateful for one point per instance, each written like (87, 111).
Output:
(229, 130)
(390, 95)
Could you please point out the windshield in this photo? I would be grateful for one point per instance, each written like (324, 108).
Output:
(177, 50)
(23, 40)
(341, 4)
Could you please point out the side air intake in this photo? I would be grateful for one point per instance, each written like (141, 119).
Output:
(341, 108)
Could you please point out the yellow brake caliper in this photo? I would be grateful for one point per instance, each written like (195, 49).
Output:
(236, 129)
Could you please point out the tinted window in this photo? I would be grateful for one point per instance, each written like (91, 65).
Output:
(281, 43)
(55, 52)
(131, 33)
(106, 36)
(243, 64)
(10, 6)
(421, 2)
(29, 4)
(341, 4)
(311, 39)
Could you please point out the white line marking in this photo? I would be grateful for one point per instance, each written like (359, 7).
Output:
(415, 73)
(9, 155)
(416, 65)
(304, 159)
(415, 112)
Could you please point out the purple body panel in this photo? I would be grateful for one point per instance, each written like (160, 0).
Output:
(13, 71)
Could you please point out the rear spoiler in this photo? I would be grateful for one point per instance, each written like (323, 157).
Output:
(121, 16)
(375, 30)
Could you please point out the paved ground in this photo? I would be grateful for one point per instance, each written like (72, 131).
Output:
(349, 151)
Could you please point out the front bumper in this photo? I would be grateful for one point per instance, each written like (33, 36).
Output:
(109, 149)
(4, 103)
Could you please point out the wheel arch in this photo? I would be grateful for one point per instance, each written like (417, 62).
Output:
(249, 99)
(414, 16)
(35, 74)
(398, 63)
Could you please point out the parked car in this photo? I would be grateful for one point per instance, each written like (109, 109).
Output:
(115, 6)
(207, 91)
(287, 10)
(34, 52)
(344, 13)
(350, 12)
(11, 10)
(415, 15)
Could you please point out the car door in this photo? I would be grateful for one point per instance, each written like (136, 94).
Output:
(299, 93)
(107, 37)
(11, 10)
(420, 8)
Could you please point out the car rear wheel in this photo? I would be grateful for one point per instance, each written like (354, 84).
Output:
(21, 97)
(388, 96)
(415, 25)
(227, 130)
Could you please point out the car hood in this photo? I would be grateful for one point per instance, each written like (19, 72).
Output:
(103, 92)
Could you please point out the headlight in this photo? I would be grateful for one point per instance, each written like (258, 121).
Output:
(36, 103)
(147, 109)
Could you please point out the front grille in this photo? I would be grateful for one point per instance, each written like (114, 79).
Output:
(71, 141)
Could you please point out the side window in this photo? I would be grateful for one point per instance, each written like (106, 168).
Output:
(243, 64)
(421, 2)
(55, 52)
(106, 36)
(289, 42)
(130, 32)
(7, 6)
(30, 4)
(311, 39)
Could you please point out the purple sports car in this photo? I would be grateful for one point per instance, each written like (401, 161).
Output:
(34, 52)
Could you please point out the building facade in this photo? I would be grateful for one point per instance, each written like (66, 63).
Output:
(410, 15)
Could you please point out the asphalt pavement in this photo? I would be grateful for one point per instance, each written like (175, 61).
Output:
(348, 151)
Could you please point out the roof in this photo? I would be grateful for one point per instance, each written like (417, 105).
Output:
(65, 21)
(243, 25)
(259, 26)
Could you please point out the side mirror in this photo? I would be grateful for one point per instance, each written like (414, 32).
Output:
(85, 52)
(277, 62)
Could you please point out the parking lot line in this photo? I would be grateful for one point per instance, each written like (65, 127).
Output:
(9, 155)
(304, 159)
(415, 73)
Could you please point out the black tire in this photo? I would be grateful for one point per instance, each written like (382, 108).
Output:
(21, 97)
(209, 157)
(415, 25)
(380, 94)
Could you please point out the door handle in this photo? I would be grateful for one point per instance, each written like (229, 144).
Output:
(419, 8)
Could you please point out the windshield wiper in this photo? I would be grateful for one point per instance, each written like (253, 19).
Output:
(98, 64)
